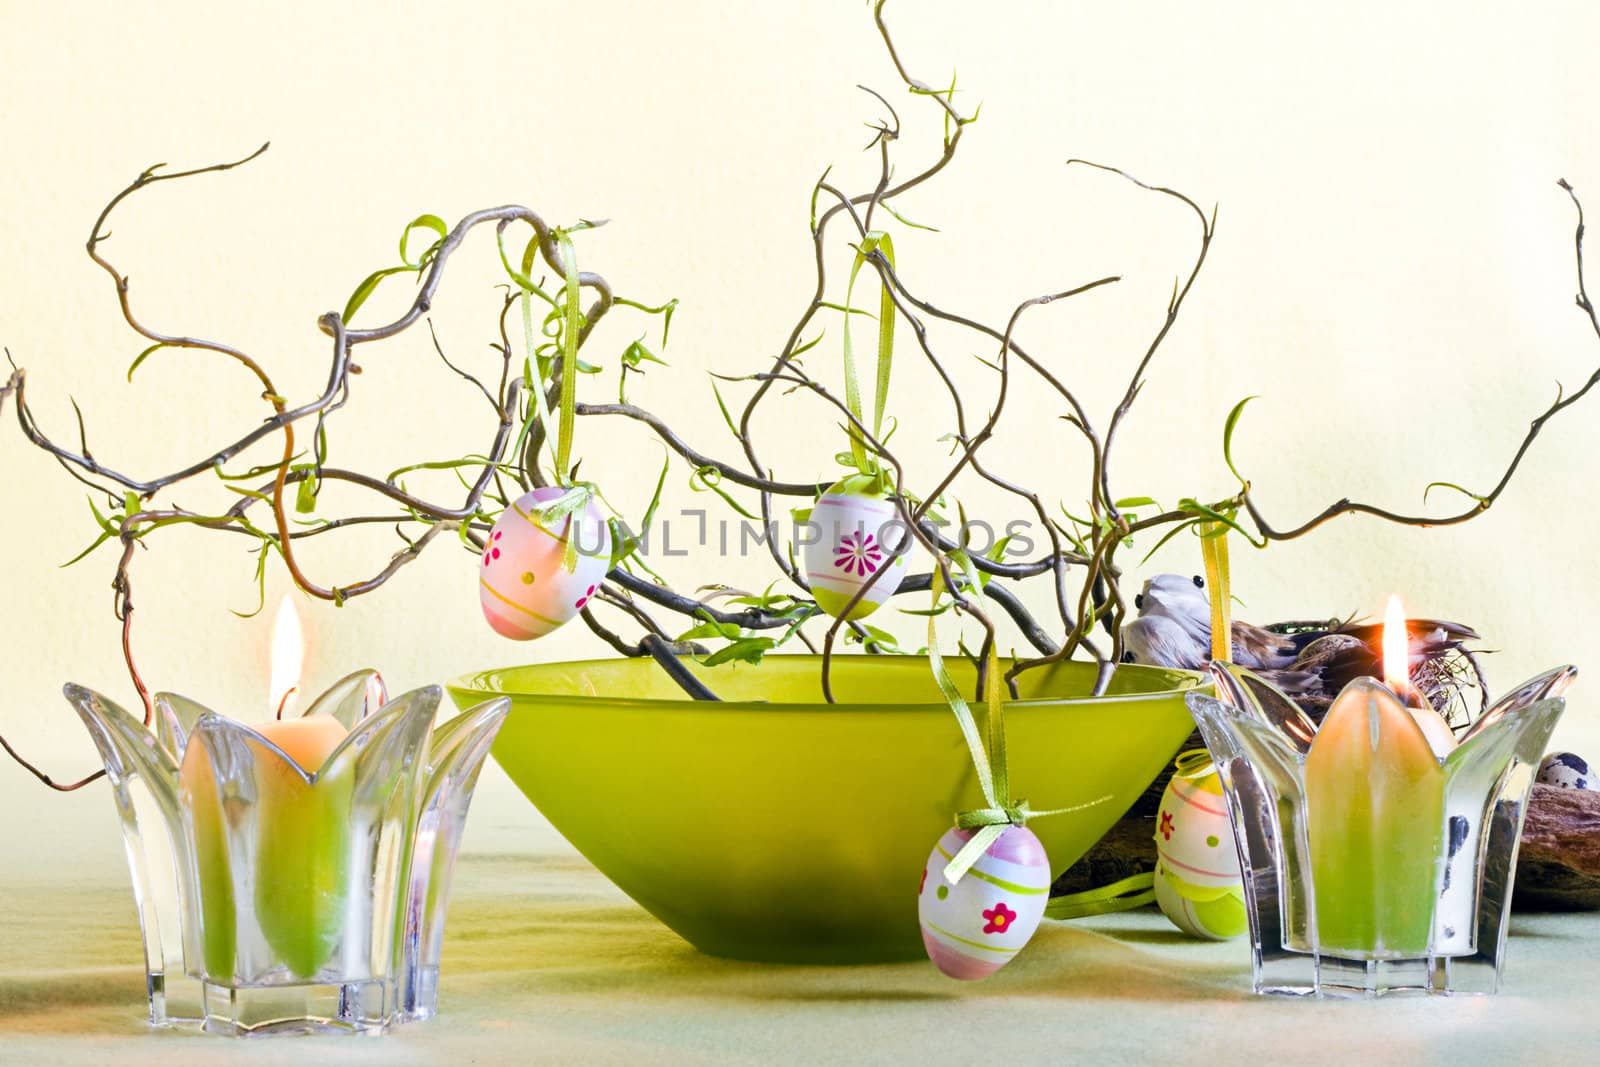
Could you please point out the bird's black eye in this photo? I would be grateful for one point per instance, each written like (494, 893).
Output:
(1127, 657)
(1138, 602)
(1199, 582)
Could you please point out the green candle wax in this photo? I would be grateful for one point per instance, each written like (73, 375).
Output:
(1375, 818)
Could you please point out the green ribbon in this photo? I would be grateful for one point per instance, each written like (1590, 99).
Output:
(541, 404)
(875, 241)
(569, 359)
(1134, 891)
(988, 760)
(1193, 763)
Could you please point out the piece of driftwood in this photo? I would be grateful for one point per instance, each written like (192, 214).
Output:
(1558, 868)
(1128, 848)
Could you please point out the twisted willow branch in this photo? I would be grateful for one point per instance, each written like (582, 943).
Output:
(972, 583)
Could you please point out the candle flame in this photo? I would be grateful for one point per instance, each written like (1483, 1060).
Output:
(1396, 648)
(288, 653)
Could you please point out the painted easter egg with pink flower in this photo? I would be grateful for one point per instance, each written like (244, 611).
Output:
(855, 532)
(975, 926)
(524, 584)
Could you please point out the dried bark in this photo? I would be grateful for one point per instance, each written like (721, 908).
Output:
(1558, 868)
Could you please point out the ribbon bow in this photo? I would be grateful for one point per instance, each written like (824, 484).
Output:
(551, 512)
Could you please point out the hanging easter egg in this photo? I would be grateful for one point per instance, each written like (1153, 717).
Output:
(1566, 770)
(1197, 883)
(855, 532)
(973, 928)
(524, 585)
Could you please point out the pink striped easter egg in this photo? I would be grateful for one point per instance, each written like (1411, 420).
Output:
(975, 927)
(524, 586)
(854, 533)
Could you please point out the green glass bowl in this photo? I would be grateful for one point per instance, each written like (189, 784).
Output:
(776, 826)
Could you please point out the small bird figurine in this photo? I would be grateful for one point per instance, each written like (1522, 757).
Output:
(1309, 661)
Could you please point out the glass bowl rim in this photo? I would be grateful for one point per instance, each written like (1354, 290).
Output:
(482, 685)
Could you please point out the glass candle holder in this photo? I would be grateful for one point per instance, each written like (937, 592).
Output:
(1371, 863)
(293, 878)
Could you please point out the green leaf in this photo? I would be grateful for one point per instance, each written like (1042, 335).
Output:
(142, 356)
(710, 478)
(1194, 507)
(1136, 502)
(98, 541)
(522, 278)
(422, 222)
(744, 650)
(366, 288)
(637, 353)
(473, 460)
(905, 221)
(1169, 535)
(1227, 438)
(664, 310)
(655, 497)
(254, 473)
(261, 582)
(808, 346)
(1452, 485)
(101, 521)
(726, 417)
(880, 639)
(846, 310)
(623, 544)
(305, 496)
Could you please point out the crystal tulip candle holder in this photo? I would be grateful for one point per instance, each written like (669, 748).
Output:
(294, 878)
(1375, 861)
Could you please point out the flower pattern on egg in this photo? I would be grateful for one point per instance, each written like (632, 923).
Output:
(858, 553)
(1000, 918)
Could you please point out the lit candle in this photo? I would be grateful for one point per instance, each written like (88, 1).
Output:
(1397, 675)
(299, 871)
(1374, 814)
(309, 741)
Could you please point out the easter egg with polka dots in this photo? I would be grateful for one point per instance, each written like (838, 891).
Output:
(976, 926)
(1567, 770)
(524, 585)
(854, 533)
(1197, 882)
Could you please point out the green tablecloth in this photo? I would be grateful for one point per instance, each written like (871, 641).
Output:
(546, 962)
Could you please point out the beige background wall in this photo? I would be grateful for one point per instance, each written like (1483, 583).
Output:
(1392, 273)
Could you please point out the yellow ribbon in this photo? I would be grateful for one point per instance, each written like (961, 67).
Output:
(1214, 549)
